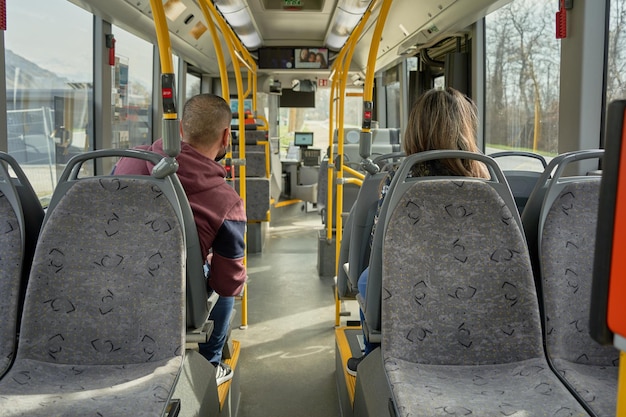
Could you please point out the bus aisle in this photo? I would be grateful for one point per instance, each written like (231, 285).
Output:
(287, 358)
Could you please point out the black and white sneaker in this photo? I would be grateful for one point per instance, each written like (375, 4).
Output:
(223, 373)
(352, 364)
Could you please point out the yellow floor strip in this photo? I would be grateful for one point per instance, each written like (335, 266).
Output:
(344, 351)
(222, 390)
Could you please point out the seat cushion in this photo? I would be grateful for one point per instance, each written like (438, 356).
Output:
(526, 388)
(35, 388)
(567, 257)
(595, 384)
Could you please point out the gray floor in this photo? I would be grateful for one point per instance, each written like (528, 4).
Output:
(287, 352)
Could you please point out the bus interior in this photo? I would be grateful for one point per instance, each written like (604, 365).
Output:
(491, 296)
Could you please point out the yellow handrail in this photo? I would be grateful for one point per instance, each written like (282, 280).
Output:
(354, 181)
(353, 172)
(266, 125)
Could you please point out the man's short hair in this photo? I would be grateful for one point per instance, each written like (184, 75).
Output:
(205, 116)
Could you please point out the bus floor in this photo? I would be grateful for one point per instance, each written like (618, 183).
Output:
(287, 360)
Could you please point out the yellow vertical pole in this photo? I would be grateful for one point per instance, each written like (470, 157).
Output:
(165, 47)
(163, 37)
(329, 188)
(344, 67)
(219, 53)
(234, 46)
(368, 88)
(340, 69)
(621, 386)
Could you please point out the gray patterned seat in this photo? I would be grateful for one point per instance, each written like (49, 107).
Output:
(355, 244)
(199, 302)
(21, 215)
(366, 207)
(566, 257)
(461, 331)
(364, 213)
(102, 332)
(356, 236)
(344, 287)
(11, 263)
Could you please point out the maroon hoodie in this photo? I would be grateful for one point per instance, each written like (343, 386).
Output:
(217, 209)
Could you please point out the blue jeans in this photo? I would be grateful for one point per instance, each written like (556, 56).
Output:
(212, 350)
(362, 286)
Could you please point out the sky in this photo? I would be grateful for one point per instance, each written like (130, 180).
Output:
(57, 35)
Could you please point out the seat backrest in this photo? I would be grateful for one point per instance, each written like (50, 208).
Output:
(22, 215)
(364, 212)
(363, 219)
(106, 286)
(198, 303)
(32, 211)
(12, 236)
(355, 244)
(533, 215)
(344, 286)
(457, 282)
(372, 303)
(566, 258)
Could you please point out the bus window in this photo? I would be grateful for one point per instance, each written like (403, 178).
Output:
(193, 85)
(615, 83)
(132, 91)
(49, 84)
(522, 78)
(316, 119)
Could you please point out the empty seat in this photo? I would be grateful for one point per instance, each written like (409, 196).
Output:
(567, 234)
(461, 328)
(102, 330)
(21, 215)
(11, 263)
(533, 216)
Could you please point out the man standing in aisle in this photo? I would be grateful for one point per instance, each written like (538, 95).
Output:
(217, 208)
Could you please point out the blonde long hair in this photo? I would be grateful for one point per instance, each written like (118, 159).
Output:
(445, 119)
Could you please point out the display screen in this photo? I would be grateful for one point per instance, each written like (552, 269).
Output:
(293, 58)
(276, 58)
(295, 99)
(303, 139)
(311, 58)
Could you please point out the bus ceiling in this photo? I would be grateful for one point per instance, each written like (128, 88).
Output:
(318, 23)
